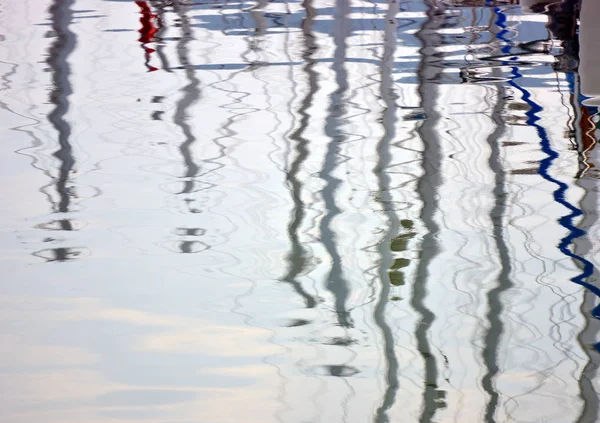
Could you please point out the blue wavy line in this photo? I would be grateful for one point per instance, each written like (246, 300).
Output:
(559, 194)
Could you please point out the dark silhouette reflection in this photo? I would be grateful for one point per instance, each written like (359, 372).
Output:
(428, 73)
(297, 323)
(190, 243)
(336, 282)
(190, 95)
(61, 16)
(388, 120)
(59, 254)
(340, 370)
(298, 258)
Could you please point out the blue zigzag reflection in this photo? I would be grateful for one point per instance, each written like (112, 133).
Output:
(559, 194)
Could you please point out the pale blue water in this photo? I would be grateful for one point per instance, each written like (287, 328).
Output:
(317, 211)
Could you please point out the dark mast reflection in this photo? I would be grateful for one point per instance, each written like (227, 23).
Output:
(64, 44)
(428, 74)
(388, 120)
(336, 283)
(61, 16)
(497, 214)
(298, 257)
(191, 94)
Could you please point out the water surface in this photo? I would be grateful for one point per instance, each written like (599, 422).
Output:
(284, 211)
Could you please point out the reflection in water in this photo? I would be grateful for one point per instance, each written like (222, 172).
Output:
(589, 333)
(428, 74)
(160, 33)
(298, 257)
(491, 348)
(388, 120)
(445, 149)
(191, 94)
(64, 44)
(336, 282)
(147, 32)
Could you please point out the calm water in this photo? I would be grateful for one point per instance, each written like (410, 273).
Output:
(282, 211)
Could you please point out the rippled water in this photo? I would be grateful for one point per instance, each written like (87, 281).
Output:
(283, 211)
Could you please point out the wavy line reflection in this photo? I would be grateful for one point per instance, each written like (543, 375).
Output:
(298, 258)
(497, 216)
(428, 73)
(559, 194)
(190, 95)
(61, 16)
(336, 283)
(329, 157)
(387, 264)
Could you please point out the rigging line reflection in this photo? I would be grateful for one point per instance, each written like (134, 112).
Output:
(429, 71)
(191, 94)
(386, 265)
(336, 282)
(61, 16)
(573, 232)
(497, 216)
(298, 257)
